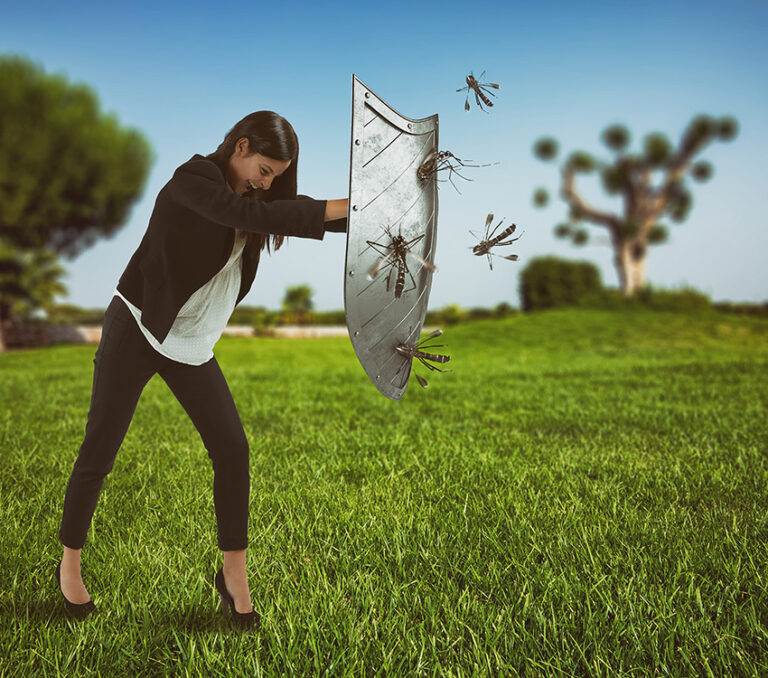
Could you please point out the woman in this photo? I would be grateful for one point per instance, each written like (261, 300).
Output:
(197, 260)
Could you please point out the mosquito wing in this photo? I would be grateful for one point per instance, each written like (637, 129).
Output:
(488, 221)
(373, 271)
(432, 335)
(426, 264)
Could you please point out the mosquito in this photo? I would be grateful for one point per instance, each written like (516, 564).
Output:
(394, 255)
(436, 161)
(419, 351)
(491, 240)
(474, 86)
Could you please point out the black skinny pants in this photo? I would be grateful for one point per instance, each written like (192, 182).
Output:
(123, 365)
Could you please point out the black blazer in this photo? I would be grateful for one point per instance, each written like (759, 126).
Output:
(190, 237)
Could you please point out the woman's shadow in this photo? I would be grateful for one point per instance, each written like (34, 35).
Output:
(51, 610)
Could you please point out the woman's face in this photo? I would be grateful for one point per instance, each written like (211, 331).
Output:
(249, 171)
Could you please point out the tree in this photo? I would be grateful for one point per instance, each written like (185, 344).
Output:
(652, 183)
(298, 301)
(69, 175)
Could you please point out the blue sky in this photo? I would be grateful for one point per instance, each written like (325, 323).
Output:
(184, 73)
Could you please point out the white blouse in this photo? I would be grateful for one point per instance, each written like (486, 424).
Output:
(201, 321)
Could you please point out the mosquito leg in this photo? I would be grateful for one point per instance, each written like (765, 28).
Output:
(493, 232)
(410, 275)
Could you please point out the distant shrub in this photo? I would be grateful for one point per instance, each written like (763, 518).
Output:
(330, 317)
(503, 310)
(69, 314)
(742, 308)
(686, 299)
(451, 314)
(480, 313)
(551, 282)
(257, 317)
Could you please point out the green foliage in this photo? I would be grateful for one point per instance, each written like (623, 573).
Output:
(69, 174)
(581, 161)
(614, 179)
(29, 280)
(658, 234)
(616, 137)
(580, 236)
(298, 299)
(541, 197)
(684, 300)
(563, 230)
(742, 308)
(504, 310)
(629, 228)
(702, 170)
(330, 317)
(727, 128)
(704, 128)
(657, 149)
(69, 314)
(680, 202)
(452, 314)
(551, 282)
(258, 317)
(545, 148)
(700, 130)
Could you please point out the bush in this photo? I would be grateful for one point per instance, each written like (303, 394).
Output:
(69, 314)
(742, 308)
(330, 318)
(451, 314)
(550, 282)
(686, 299)
(504, 310)
(257, 317)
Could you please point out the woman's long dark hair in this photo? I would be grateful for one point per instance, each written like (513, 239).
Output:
(271, 135)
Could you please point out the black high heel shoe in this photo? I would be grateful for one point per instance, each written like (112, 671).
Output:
(245, 620)
(74, 610)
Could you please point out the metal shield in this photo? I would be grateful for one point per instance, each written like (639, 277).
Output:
(387, 198)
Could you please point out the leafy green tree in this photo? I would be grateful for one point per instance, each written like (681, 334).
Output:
(28, 280)
(298, 302)
(651, 183)
(69, 175)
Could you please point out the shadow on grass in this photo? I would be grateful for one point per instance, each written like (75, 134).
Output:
(52, 611)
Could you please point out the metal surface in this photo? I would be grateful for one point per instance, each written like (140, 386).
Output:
(387, 196)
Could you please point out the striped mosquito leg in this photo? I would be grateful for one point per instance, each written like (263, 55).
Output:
(432, 356)
(485, 99)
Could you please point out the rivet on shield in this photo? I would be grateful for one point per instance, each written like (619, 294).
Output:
(367, 95)
(410, 126)
(357, 142)
(351, 273)
(354, 207)
(357, 332)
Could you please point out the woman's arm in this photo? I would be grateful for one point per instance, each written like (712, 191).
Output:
(336, 209)
(199, 186)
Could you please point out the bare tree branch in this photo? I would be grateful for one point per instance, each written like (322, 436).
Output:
(679, 165)
(581, 207)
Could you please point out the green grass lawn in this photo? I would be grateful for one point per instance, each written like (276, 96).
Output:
(585, 493)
